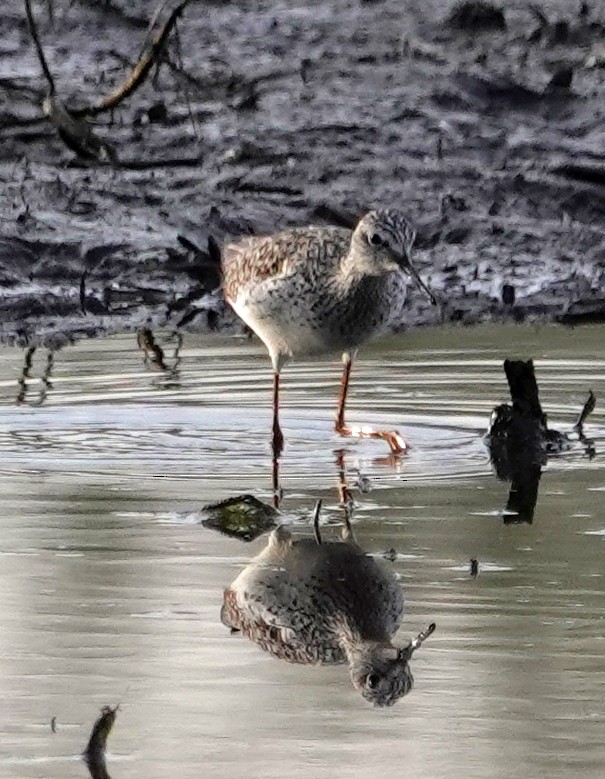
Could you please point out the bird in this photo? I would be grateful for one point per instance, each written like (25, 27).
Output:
(313, 602)
(318, 290)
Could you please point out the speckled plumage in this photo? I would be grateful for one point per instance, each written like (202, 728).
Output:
(313, 290)
(323, 603)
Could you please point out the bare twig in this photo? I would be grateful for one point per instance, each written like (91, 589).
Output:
(77, 135)
(39, 51)
(185, 88)
(152, 23)
(140, 70)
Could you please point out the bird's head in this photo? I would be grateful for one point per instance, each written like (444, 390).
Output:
(386, 237)
(381, 672)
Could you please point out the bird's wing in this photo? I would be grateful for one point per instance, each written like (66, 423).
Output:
(262, 626)
(255, 259)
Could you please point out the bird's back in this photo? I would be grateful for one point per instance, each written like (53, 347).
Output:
(296, 601)
(314, 253)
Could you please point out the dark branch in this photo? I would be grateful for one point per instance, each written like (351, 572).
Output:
(140, 70)
(40, 52)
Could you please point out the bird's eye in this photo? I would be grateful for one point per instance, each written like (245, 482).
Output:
(372, 681)
(375, 239)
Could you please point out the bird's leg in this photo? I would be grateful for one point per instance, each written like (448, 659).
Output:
(278, 438)
(392, 437)
(344, 493)
(277, 443)
(346, 498)
(342, 395)
(277, 491)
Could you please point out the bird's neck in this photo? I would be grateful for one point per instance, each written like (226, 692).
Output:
(356, 266)
(358, 269)
(356, 646)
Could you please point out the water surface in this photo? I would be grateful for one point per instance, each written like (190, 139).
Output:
(111, 589)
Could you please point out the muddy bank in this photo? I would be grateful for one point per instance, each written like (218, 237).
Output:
(270, 115)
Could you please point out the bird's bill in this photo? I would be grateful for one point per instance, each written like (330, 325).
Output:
(413, 273)
(417, 642)
(406, 653)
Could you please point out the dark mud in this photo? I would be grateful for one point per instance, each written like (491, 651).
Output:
(288, 113)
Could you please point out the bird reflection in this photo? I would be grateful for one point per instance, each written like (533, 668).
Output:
(308, 601)
(520, 441)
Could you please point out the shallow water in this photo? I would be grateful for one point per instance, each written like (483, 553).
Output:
(111, 589)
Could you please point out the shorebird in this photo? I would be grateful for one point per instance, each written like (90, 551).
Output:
(316, 290)
(310, 602)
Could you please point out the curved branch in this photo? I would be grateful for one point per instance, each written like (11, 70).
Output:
(39, 51)
(139, 72)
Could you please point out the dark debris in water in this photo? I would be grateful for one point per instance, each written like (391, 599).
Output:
(520, 441)
(242, 516)
(94, 754)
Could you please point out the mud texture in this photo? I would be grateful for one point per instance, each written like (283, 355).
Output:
(487, 129)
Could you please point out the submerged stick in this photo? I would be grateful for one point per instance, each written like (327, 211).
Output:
(588, 408)
(316, 514)
(73, 131)
(76, 135)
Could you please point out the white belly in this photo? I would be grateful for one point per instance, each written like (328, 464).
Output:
(292, 320)
(285, 334)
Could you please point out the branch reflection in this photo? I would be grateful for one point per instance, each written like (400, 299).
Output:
(24, 395)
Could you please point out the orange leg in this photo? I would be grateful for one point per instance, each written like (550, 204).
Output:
(277, 491)
(277, 443)
(392, 437)
(344, 493)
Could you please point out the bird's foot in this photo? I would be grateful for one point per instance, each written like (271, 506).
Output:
(394, 439)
